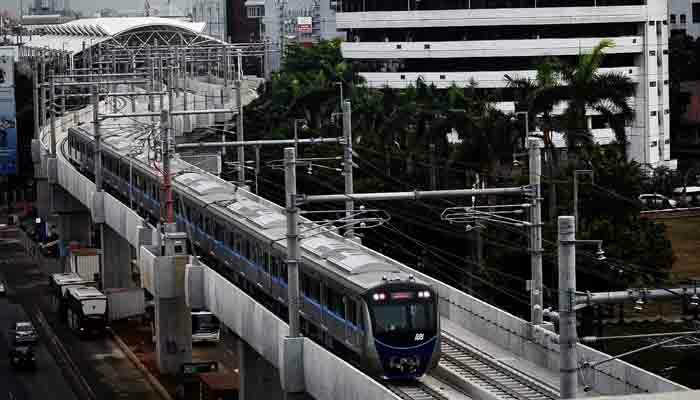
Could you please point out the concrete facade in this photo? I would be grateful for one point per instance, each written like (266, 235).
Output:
(684, 16)
(401, 43)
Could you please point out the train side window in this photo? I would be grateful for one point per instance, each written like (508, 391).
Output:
(304, 284)
(229, 239)
(352, 310)
(200, 225)
(245, 249)
(265, 262)
(218, 232)
(176, 205)
(335, 303)
(283, 271)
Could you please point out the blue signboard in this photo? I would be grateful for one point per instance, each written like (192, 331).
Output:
(8, 123)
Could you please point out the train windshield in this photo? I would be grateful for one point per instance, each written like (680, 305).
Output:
(403, 317)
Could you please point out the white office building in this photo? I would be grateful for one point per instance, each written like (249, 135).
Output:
(461, 41)
(684, 15)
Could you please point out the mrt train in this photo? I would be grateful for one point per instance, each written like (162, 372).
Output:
(358, 303)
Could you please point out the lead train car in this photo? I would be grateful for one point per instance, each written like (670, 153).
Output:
(355, 301)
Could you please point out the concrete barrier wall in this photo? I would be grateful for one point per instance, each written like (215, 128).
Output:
(147, 260)
(123, 220)
(325, 375)
(541, 346)
(328, 377)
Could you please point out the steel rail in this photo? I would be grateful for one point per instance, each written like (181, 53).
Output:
(416, 391)
(492, 376)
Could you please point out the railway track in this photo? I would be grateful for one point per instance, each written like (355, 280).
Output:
(416, 391)
(479, 369)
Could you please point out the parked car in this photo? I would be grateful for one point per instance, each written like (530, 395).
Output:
(3, 289)
(24, 333)
(654, 201)
(22, 357)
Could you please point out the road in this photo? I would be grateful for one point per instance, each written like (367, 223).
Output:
(47, 382)
(104, 367)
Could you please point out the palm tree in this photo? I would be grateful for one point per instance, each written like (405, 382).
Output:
(585, 87)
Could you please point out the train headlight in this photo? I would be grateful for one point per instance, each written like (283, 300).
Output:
(424, 294)
(379, 296)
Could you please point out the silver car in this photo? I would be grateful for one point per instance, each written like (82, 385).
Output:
(24, 332)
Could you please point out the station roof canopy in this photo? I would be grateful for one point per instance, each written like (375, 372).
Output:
(132, 32)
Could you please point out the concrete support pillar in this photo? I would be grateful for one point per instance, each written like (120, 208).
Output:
(172, 314)
(117, 260)
(173, 334)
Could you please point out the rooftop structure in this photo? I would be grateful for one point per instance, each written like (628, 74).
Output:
(124, 32)
(459, 42)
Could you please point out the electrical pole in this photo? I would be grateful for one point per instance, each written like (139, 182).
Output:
(535, 167)
(35, 85)
(239, 134)
(98, 170)
(568, 364)
(52, 110)
(292, 211)
(98, 137)
(167, 196)
(348, 165)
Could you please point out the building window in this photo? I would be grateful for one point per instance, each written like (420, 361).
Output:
(653, 113)
(696, 12)
(673, 18)
(651, 23)
(426, 47)
(652, 84)
(666, 111)
(665, 51)
(665, 81)
(398, 47)
(683, 18)
(654, 143)
(652, 52)
(442, 77)
(667, 141)
(255, 11)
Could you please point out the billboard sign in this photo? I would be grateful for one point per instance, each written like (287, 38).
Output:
(304, 24)
(8, 123)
